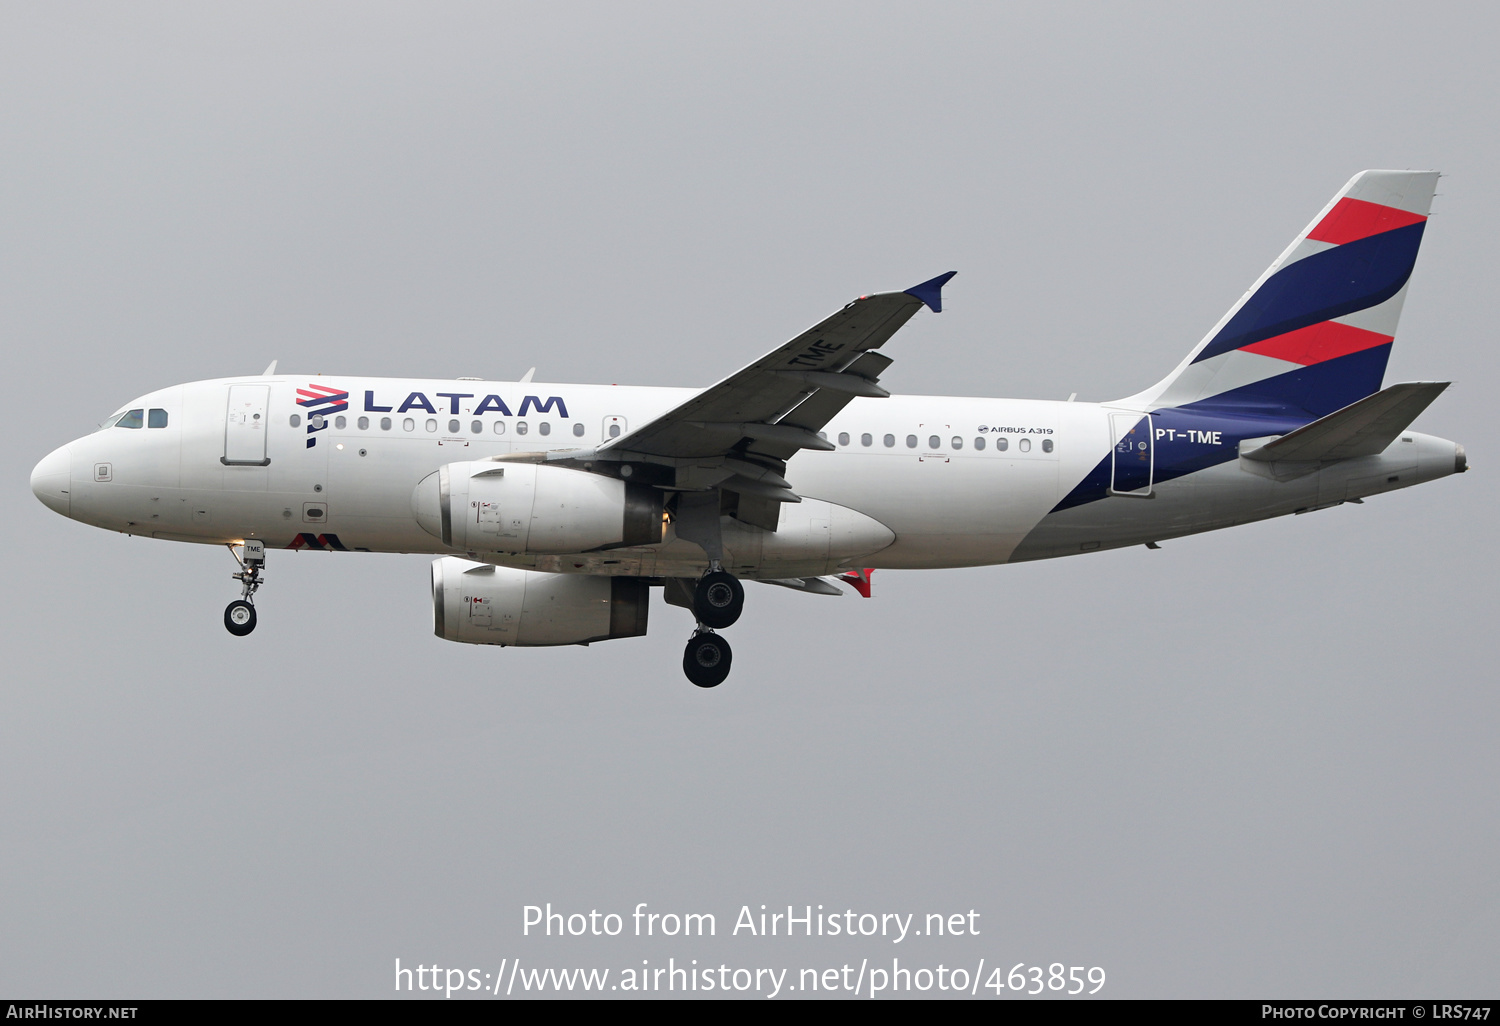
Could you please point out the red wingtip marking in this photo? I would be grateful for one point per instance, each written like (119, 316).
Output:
(859, 580)
(1352, 219)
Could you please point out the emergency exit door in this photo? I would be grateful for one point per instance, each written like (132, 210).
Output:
(1133, 459)
(245, 426)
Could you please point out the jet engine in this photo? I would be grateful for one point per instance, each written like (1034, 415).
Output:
(495, 605)
(525, 509)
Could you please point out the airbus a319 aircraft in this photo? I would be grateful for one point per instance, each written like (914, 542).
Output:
(555, 509)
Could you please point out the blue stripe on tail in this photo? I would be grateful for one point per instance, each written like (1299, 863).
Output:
(1333, 283)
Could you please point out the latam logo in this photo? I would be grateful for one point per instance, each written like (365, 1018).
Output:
(487, 404)
(322, 400)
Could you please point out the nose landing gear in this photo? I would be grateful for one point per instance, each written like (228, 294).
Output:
(718, 601)
(239, 615)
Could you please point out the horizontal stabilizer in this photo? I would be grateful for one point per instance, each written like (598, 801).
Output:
(1363, 428)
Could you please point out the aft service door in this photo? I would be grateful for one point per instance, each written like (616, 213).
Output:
(1132, 462)
(245, 426)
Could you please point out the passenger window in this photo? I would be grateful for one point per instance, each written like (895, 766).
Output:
(545, 427)
(453, 427)
(364, 423)
(385, 423)
(520, 427)
(339, 423)
(979, 442)
(578, 429)
(316, 420)
(1025, 444)
(911, 441)
(158, 418)
(890, 441)
(843, 437)
(1046, 445)
(934, 442)
(132, 419)
(1002, 443)
(958, 443)
(296, 420)
(431, 424)
(499, 427)
(866, 440)
(476, 428)
(408, 425)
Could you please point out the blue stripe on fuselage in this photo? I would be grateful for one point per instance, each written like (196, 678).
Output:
(1333, 283)
(1179, 450)
(1271, 407)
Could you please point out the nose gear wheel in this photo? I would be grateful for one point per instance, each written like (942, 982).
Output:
(239, 618)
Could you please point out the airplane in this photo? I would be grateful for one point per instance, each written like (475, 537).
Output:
(554, 510)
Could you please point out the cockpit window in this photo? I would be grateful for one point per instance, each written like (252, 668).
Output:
(157, 419)
(132, 419)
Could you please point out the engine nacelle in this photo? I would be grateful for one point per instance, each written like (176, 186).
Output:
(496, 605)
(525, 509)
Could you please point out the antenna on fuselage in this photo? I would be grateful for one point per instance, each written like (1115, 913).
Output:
(269, 370)
(527, 376)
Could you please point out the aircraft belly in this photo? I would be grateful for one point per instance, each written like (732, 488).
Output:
(946, 510)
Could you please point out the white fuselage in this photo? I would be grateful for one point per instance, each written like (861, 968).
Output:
(930, 472)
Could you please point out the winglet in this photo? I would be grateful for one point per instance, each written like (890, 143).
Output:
(859, 579)
(931, 292)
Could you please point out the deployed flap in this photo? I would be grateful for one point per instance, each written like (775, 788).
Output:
(810, 585)
(1363, 428)
(775, 406)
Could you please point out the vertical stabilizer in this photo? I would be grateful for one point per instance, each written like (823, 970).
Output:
(1314, 333)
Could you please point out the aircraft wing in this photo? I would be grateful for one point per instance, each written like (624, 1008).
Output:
(761, 415)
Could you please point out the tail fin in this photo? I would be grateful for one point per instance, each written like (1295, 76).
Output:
(1314, 333)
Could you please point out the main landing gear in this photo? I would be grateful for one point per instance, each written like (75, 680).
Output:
(718, 601)
(239, 615)
(707, 659)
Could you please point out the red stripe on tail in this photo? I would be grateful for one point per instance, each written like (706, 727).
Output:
(1326, 341)
(1352, 219)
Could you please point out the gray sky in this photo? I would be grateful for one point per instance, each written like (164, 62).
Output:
(1259, 762)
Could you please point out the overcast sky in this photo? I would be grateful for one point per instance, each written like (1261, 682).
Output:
(1255, 763)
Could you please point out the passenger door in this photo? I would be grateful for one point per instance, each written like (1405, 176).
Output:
(1133, 455)
(245, 426)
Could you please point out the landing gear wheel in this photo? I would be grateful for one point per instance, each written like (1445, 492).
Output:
(718, 600)
(706, 661)
(239, 618)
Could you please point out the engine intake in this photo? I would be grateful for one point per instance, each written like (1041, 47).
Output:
(525, 508)
(482, 604)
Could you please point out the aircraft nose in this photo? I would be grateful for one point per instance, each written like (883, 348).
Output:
(52, 480)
